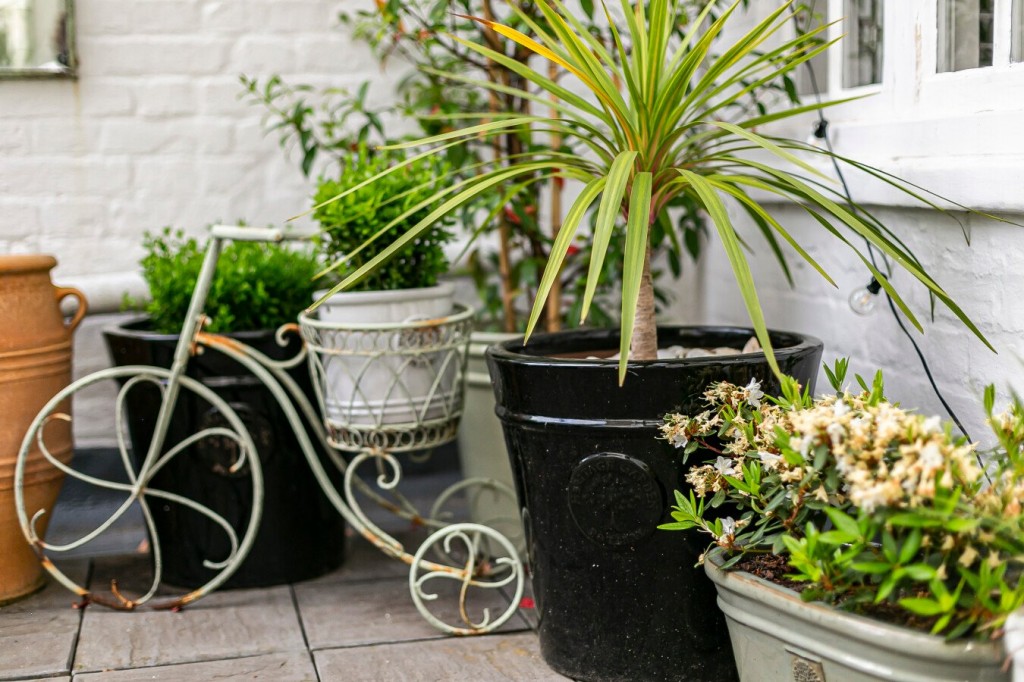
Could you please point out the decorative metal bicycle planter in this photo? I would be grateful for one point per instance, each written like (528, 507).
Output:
(382, 389)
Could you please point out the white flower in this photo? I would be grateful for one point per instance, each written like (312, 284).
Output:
(678, 439)
(728, 526)
(931, 456)
(754, 393)
(835, 431)
(770, 461)
(932, 425)
(725, 466)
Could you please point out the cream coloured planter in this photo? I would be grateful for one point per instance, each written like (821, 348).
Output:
(482, 453)
(777, 637)
(392, 388)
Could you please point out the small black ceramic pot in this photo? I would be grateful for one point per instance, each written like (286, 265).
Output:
(301, 536)
(618, 599)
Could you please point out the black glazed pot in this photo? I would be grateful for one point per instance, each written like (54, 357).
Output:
(616, 598)
(301, 535)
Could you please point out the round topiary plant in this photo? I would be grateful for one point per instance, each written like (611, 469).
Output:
(256, 286)
(393, 204)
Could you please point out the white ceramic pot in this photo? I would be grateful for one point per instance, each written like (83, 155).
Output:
(381, 385)
(777, 637)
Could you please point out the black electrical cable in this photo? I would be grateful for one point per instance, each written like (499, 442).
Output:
(821, 132)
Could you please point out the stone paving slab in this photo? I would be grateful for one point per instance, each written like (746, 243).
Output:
(289, 667)
(490, 658)
(38, 633)
(226, 624)
(363, 561)
(356, 613)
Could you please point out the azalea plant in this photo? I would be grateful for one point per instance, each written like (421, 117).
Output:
(657, 120)
(871, 505)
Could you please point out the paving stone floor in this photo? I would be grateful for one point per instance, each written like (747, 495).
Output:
(357, 623)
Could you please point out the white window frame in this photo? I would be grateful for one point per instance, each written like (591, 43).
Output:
(960, 134)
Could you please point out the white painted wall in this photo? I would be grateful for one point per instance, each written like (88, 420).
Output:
(153, 133)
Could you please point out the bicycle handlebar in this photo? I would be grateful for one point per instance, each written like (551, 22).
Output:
(240, 233)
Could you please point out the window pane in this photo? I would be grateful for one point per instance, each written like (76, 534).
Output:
(1017, 32)
(812, 77)
(965, 34)
(862, 47)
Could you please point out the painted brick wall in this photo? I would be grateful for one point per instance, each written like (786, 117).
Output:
(153, 133)
(984, 279)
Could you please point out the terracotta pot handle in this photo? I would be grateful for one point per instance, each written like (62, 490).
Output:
(63, 292)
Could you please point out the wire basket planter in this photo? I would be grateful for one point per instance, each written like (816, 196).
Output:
(394, 387)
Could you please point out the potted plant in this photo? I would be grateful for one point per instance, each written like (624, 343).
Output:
(524, 214)
(388, 389)
(876, 544)
(506, 263)
(257, 288)
(591, 484)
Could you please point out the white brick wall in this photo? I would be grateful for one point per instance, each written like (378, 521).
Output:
(984, 279)
(153, 133)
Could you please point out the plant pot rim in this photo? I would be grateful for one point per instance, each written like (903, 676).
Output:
(377, 295)
(136, 328)
(31, 262)
(489, 338)
(851, 626)
(533, 350)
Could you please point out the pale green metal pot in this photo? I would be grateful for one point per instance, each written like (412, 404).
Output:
(777, 637)
(482, 453)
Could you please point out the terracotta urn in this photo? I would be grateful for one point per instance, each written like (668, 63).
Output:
(35, 363)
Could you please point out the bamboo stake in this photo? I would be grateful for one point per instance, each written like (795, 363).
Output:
(554, 304)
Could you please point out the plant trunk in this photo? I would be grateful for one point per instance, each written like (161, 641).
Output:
(644, 344)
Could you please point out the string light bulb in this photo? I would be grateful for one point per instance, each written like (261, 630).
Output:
(863, 300)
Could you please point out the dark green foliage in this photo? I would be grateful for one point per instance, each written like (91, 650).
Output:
(256, 286)
(356, 217)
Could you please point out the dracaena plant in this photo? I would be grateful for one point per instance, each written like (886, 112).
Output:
(917, 526)
(657, 117)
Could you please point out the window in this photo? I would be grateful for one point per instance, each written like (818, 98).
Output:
(862, 48)
(944, 95)
(965, 34)
(813, 78)
(1017, 32)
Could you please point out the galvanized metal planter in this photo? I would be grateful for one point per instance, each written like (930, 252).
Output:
(777, 637)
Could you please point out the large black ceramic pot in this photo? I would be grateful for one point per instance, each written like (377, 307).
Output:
(301, 536)
(618, 599)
